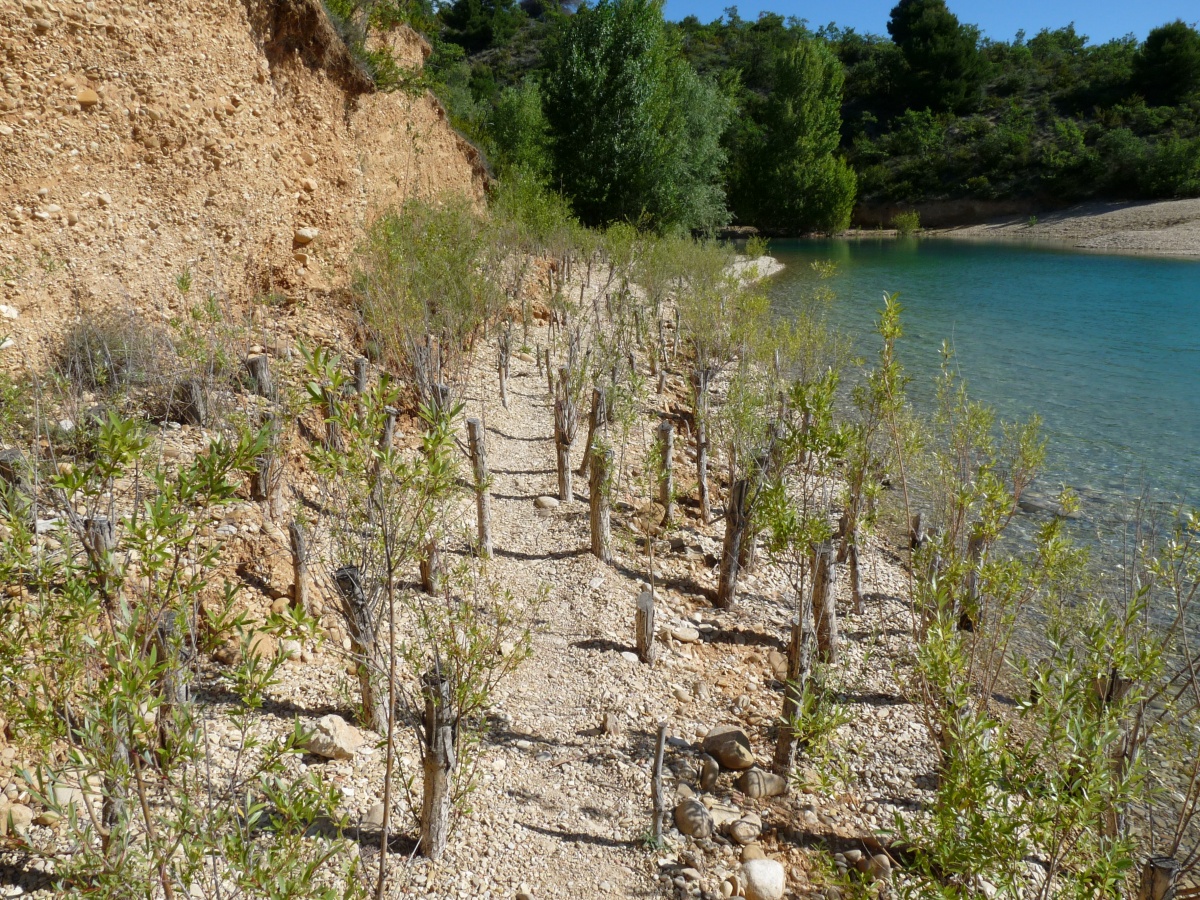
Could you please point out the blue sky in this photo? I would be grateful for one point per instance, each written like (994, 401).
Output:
(1098, 19)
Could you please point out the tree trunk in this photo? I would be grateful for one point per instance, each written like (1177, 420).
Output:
(100, 538)
(1159, 874)
(968, 619)
(596, 419)
(483, 494)
(333, 430)
(189, 403)
(644, 628)
(565, 423)
(438, 758)
(737, 518)
(431, 568)
(702, 472)
(799, 670)
(259, 367)
(360, 627)
(824, 604)
(855, 578)
(299, 566)
(600, 515)
(666, 476)
(504, 363)
(657, 793)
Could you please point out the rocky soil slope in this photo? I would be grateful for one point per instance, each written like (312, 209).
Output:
(236, 141)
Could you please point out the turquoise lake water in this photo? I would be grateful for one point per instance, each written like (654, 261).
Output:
(1105, 348)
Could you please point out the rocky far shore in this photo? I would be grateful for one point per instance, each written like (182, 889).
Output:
(1163, 228)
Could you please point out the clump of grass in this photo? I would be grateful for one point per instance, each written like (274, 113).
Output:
(907, 222)
(113, 350)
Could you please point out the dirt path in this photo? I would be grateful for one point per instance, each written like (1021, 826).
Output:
(1164, 228)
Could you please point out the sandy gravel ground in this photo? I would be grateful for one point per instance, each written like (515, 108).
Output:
(1164, 228)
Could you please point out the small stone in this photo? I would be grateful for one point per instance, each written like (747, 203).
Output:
(546, 502)
(87, 98)
(756, 783)
(308, 184)
(18, 818)
(104, 199)
(709, 773)
(305, 236)
(753, 851)
(685, 634)
(374, 817)
(307, 157)
(609, 724)
(334, 738)
(765, 879)
(8, 312)
(693, 819)
(291, 649)
(778, 663)
(630, 656)
(880, 867)
(72, 217)
(730, 747)
(745, 830)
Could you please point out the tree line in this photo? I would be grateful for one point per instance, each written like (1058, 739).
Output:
(773, 123)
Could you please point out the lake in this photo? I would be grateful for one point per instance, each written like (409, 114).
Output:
(1106, 349)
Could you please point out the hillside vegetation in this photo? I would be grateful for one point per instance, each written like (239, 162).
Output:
(808, 121)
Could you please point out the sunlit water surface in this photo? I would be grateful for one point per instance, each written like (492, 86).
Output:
(1106, 349)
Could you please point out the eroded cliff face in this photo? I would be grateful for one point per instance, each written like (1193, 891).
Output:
(234, 140)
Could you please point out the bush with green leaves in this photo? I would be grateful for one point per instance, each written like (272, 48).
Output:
(100, 662)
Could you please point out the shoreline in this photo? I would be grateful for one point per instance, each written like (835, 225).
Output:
(1165, 228)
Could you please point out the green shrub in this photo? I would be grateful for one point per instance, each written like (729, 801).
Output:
(907, 222)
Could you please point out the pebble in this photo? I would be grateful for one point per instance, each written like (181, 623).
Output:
(546, 502)
(756, 783)
(693, 819)
(8, 312)
(764, 879)
(305, 236)
(87, 98)
(685, 634)
(334, 738)
(730, 747)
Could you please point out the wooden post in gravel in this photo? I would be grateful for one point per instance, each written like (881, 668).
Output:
(596, 419)
(537, 355)
(100, 537)
(799, 668)
(656, 783)
(504, 363)
(737, 517)
(968, 618)
(666, 473)
(299, 565)
(599, 513)
(259, 367)
(439, 756)
(360, 628)
(360, 375)
(549, 373)
(825, 603)
(566, 422)
(855, 579)
(483, 494)
(644, 627)
(700, 381)
(333, 431)
(1159, 874)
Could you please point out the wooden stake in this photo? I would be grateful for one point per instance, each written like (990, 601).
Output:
(259, 367)
(824, 604)
(483, 494)
(644, 626)
(1159, 874)
(360, 375)
(596, 419)
(666, 475)
(299, 566)
(737, 518)
(600, 513)
(656, 783)
(798, 671)
(439, 758)
(360, 626)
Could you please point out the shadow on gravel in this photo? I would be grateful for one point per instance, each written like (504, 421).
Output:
(369, 838)
(680, 585)
(863, 634)
(603, 645)
(285, 710)
(548, 470)
(557, 554)
(744, 636)
(577, 837)
(873, 699)
(528, 440)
